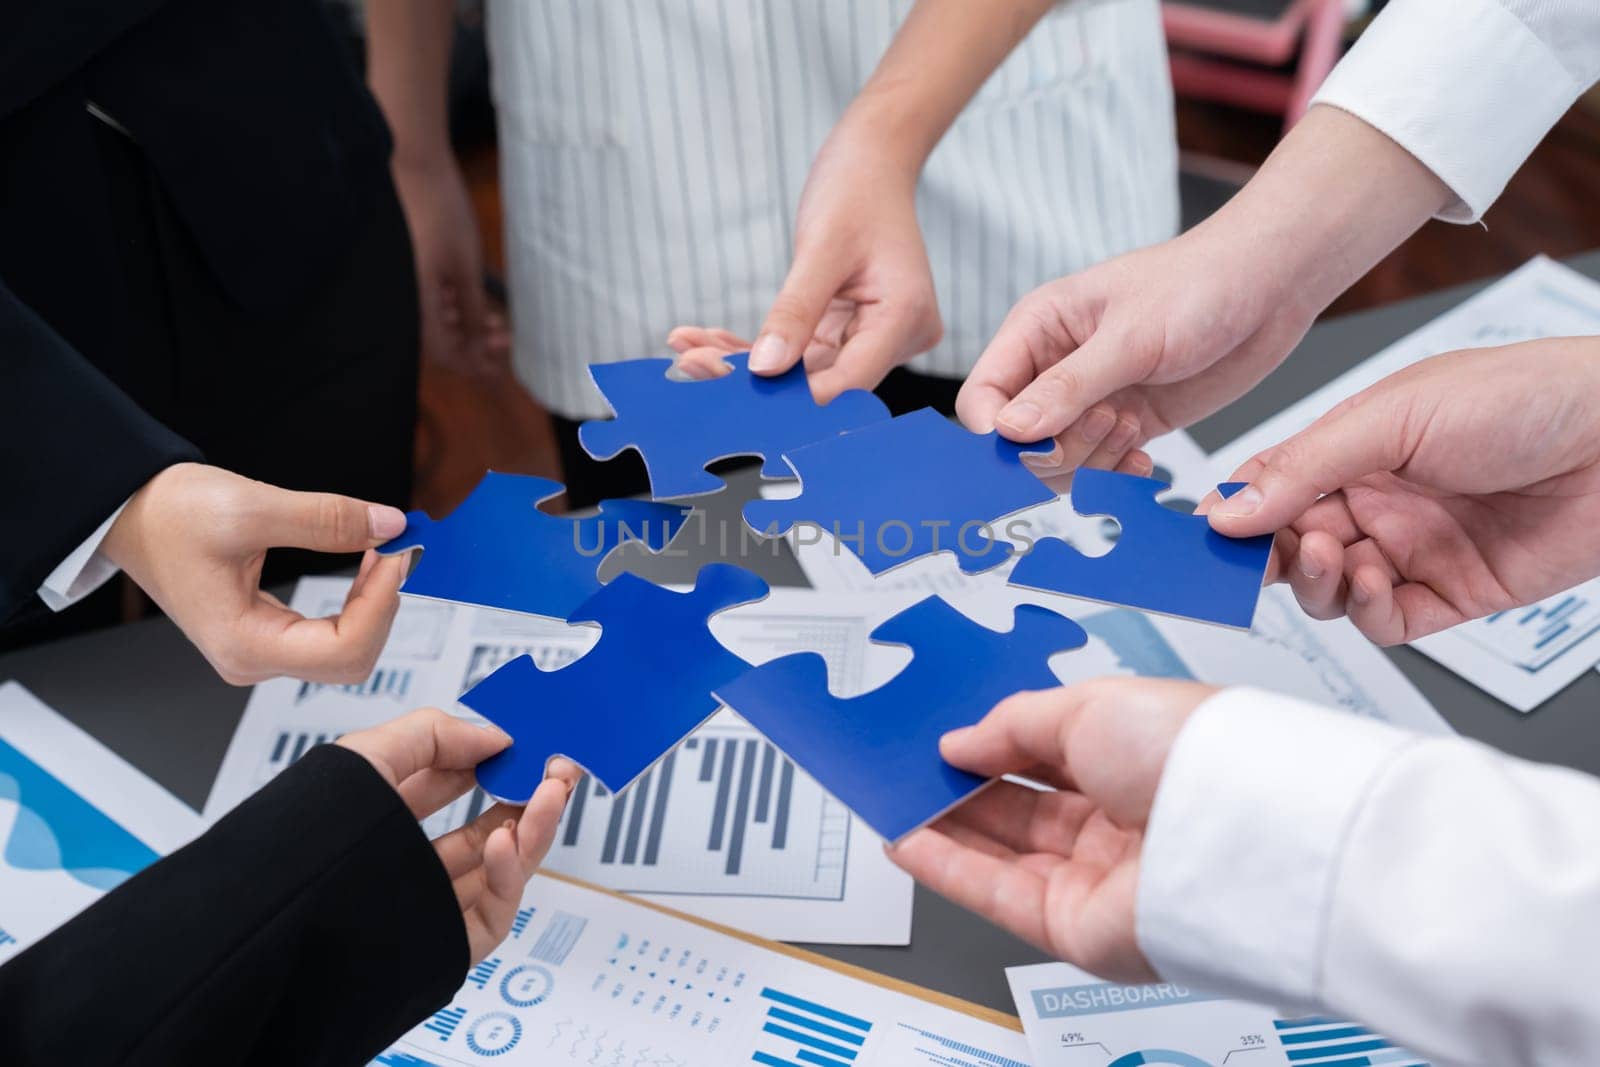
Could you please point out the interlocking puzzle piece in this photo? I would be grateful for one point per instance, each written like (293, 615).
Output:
(907, 487)
(499, 550)
(679, 427)
(1164, 561)
(879, 752)
(615, 711)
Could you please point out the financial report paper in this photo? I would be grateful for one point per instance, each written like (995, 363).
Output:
(587, 977)
(1522, 657)
(1074, 1019)
(724, 826)
(75, 820)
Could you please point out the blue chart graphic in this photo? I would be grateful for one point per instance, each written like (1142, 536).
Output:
(396, 1058)
(1533, 637)
(948, 1052)
(558, 938)
(391, 682)
(1138, 645)
(526, 985)
(56, 829)
(446, 1021)
(1319, 1042)
(806, 1032)
(520, 922)
(1158, 1057)
(494, 1034)
(480, 975)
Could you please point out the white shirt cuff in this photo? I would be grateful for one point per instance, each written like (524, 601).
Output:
(81, 573)
(1463, 85)
(1244, 842)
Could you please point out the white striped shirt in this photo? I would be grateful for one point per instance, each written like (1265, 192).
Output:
(653, 153)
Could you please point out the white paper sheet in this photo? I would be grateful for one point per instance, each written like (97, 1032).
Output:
(1074, 1019)
(1522, 657)
(75, 821)
(587, 977)
(797, 867)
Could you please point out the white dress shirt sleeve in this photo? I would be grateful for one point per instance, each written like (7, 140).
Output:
(82, 572)
(1434, 889)
(1469, 87)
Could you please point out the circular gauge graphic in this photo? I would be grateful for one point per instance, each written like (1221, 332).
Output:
(1158, 1057)
(494, 1034)
(526, 985)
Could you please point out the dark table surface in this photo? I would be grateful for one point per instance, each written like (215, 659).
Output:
(147, 694)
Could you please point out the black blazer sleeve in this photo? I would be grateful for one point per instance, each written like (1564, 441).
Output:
(312, 925)
(75, 448)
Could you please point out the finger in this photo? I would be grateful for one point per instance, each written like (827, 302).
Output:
(489, 915)
(1023, 819)
(1002, 891)
(340, 649)
(1034, 336)
(322, 522)
(1123, 436)
(1285, 547)
(461, 850)
(1316, 575)
(868, 355)
(1372, 608)
(537, 827)
(1076, 443)
(1023, 731)
(1137, 463)
(1364, 435)
(682, 338)
(432, 788)
(426, 737)
(1060, 395)
(793, 317)
(704, 363)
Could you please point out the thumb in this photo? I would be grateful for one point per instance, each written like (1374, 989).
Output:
(1064, 391)
(326, 522)
(794, 316)
(1361, 436)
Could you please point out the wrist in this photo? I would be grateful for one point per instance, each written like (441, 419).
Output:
(124, 540)
(884, 130)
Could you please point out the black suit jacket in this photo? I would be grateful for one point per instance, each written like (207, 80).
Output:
(263, 142)
(313, 925)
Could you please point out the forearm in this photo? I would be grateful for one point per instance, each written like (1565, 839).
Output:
(273, 938)
(1430, 888)
(1333, 199)
(941, 56)
(408, 70)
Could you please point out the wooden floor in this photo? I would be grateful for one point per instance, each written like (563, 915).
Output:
(468, 425)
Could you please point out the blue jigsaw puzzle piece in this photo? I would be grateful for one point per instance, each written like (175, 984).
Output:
(679, 427)
(908, 487)
(878, 753)
(631, 698)
(1164, 561)
(499, 550)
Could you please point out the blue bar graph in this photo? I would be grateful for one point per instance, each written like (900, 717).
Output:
(480, 975)
(520, 922)
(445, 1022)
(981, 1055)
(1532, 638)
(1318, 1041)
(800, 1032)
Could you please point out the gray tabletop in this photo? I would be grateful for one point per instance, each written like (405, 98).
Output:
(146, 693)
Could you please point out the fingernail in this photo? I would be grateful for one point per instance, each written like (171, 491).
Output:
(1020, 417)
(1044, 461)
(768, 353)
(1310, 567)
(385, 522)
(1246, 501)
(1122, 436)
(955, 737)
(1096, 425)
(1359, 593)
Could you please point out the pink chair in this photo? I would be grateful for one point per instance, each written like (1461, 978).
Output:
(1205, 39)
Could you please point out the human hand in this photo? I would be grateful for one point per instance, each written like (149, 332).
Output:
(1466, 484)
(429, 757)
(1109, 358)
(859, 297)
(194, 538)
(458, 330)
(1060, 867)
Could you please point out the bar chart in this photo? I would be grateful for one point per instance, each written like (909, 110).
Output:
(1533, 637)
(1320, 1042)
